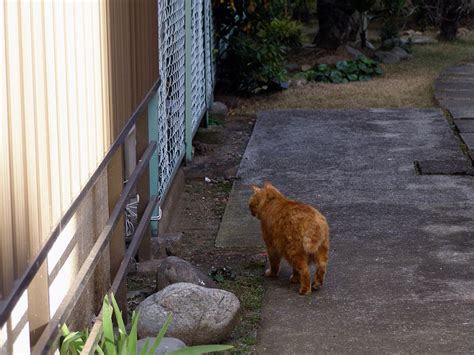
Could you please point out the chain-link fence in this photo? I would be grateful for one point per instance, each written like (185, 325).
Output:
(173, 110)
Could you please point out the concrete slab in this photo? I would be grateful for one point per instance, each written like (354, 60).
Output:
(445, 167)
(461, 111)
(468, 138)
(401, 268)
(465, 126)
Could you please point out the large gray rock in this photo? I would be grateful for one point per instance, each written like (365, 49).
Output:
(167, 344)
(200, 315)
(401, 53)
(354, 52)
(173, 269)
(392, 56)
(219, 110)
(386, 57)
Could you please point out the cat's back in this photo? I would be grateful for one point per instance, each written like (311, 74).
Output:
(297, 213)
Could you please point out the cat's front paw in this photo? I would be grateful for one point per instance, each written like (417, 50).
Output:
(305, 291)
(270, 273)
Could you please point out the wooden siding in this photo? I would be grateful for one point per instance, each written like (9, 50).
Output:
(71, 73)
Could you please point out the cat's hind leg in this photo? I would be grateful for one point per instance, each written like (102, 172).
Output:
(274, 258)
(295, 277)
(321, 261)
(300, 265)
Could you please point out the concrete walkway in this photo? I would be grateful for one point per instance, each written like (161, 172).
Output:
(401, 268)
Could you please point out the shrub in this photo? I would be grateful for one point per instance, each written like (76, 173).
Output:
(284, 32)
(343, 72)
(253, 39)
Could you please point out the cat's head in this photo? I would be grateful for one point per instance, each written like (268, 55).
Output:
(261, 196)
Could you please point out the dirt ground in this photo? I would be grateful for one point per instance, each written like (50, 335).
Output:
(217, 153)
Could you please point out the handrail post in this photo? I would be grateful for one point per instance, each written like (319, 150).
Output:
(188, 129)
(153, 135)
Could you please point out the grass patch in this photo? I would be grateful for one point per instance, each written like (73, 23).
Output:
(405, 84)
(248, 287)
(223, 186)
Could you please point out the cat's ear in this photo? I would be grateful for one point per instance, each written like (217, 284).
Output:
(267, 184)
(255, 188)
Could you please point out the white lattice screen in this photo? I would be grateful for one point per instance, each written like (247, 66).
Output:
(171, 96)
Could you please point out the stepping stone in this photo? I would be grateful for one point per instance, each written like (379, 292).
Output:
(444, 167)
(459, 111)
(465, 126)
(463, 70)
(468, 138)
(453, 85)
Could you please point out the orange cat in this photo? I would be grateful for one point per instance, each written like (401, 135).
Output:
(293, 230)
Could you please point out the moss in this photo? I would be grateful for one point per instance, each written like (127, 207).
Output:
(248, 287)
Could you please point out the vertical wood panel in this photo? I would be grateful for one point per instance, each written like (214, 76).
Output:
(17, 127)
(70, 18)
(52, 109)
(63, 105)
(6, 227)
(73, 72)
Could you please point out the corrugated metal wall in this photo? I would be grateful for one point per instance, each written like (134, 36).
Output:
(54, 126)
(71, 73)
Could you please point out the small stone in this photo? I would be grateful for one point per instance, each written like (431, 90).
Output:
(219, 110)
(173, 270)
(400, 52)
(353, 51)
(386, 57)
(370, 45)
(167, 344)
(292, 67)
(301, 83)
(306, 67)
(200, 315)
(423, 40)
(166, 245)
(148, 267)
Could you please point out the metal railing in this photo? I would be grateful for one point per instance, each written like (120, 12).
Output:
(50, 334)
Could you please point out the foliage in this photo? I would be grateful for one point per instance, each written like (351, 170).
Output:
(343, 72)
(72, 342)
(445, 14)
(395, 13)
(253, 38)
(220, 274)
(389, 30)
(363, 5)
(120, 342)
(286, 32)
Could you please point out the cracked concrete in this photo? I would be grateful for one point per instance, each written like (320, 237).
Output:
(401, 267)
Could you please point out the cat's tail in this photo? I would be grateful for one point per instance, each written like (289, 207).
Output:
(314, 237)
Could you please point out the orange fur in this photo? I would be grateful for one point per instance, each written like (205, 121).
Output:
(293, 230)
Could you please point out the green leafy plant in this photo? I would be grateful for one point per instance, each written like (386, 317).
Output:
(72, 342)
(118, 342)
(285, 32)
(253, 39)
(345, 71)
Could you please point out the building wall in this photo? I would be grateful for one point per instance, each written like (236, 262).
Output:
(71, 73)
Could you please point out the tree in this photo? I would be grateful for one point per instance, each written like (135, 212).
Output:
(444, 13)
(336, 23)
(452, 11)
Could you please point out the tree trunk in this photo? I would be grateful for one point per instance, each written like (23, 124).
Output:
(336, 23)
(452, 11)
